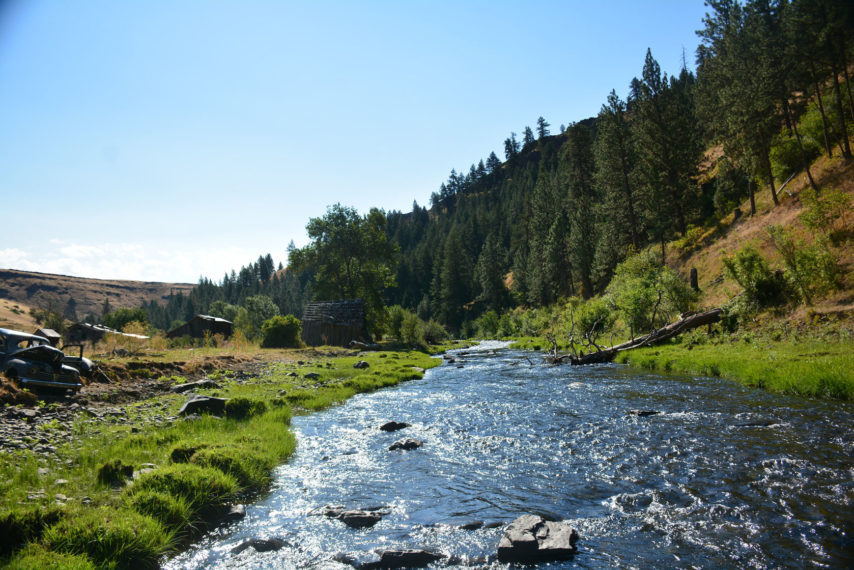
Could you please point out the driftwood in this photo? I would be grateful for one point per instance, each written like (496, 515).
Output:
(656, 336)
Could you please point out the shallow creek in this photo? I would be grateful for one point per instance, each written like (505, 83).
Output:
(722, 476)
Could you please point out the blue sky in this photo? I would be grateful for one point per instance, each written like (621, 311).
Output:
(165, 140)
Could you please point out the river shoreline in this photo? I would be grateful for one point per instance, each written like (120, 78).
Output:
(59, 453)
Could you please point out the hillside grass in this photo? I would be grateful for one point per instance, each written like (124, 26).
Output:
(187, 470)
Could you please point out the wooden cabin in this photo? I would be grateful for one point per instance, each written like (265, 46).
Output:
(335, 323)
(198, 325)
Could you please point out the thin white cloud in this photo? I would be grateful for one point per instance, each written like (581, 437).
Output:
(129, 261)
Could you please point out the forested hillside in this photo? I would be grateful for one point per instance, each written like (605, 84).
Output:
(555, 218)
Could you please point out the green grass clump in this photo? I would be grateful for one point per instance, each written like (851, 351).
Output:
(19, 526)
(244, 408)
(172, 512)
(203, 489)
(817, 369)
(114, 473)
(37, 557)
(130, 540)
(250, 466)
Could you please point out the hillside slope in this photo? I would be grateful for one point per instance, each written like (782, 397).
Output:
(706, 253)
(43, 290)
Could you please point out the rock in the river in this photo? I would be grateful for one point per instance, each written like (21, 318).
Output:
(406, 559)
(260, 545)
(203, 405)
(361, 364)
(531, 538)
(406, 444)
(355, 518)
(642, 413)
(474, 525)
(235, 513)
(394, 426)
(206, 383)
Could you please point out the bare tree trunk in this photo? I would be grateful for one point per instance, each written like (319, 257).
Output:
(804, 162)
(659, 335)
(751, 189)
(767, 156)
(824, 126)
(846, 148)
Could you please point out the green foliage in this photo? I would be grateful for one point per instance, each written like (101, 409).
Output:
(244, 408)
(37, 557)
(762, 287)
(825, 212)
(128, 541)
(730, 187)
(786, 158)
(19, 526)
(172, 512)
(121, 317)
(255, 311)
(249, 466)
(281, 332)
(647, 294)
(350, 256)
(114, 473)
(488, 324)
(201, 488)
(811, 269)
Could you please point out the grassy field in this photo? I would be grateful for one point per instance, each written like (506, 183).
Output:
(144, 487)
(808, 368)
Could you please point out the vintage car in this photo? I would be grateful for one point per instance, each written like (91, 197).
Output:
(31, 361)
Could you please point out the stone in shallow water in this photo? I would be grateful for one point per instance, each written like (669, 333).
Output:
(406, 444)
(260, 545)
(531, 538)
(394, 426)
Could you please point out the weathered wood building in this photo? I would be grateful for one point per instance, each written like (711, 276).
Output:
(335, 323)
(198, 325)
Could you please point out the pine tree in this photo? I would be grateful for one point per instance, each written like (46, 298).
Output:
(529, 138)
(542, 128)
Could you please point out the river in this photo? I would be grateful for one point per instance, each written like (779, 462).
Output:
(721, 476)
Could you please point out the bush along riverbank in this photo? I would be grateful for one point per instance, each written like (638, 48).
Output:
(128, 486)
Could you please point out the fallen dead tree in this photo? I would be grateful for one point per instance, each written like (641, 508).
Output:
(608, 354)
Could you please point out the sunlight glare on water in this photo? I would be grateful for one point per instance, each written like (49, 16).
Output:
(721, 476)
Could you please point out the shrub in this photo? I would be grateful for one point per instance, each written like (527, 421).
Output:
(123, 539)
(114, 473)
(411, 332)
(396, 314)
(281, 332)
(762, 288)
(812, 270)
(730, 187)
(434, 333)
(244, 408)
(172, 512)
(487, 324)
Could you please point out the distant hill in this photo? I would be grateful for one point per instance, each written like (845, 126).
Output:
(43, 290)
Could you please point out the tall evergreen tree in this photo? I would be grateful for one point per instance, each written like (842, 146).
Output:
(542, 128)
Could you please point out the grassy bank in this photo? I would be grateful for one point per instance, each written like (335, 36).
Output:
(808, 368)
(124, 493)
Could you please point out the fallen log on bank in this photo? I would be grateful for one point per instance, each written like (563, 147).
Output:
(659, 335)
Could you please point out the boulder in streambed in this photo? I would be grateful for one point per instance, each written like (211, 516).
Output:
(394, 426)
(531, 538)
(260, 545)
(355, 518)
(406, 444)
(206, 383)
(642, 413)
(203, 405)
(406, 559)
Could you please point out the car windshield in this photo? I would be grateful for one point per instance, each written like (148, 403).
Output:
(29, 342)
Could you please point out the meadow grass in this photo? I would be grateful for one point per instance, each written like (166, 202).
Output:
(201, 465)
(808, 368)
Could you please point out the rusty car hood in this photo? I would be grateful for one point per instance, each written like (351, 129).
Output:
(43, 353)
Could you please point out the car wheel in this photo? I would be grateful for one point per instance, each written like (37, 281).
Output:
(12, 376)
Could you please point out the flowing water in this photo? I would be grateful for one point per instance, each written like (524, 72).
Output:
(723, 476)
